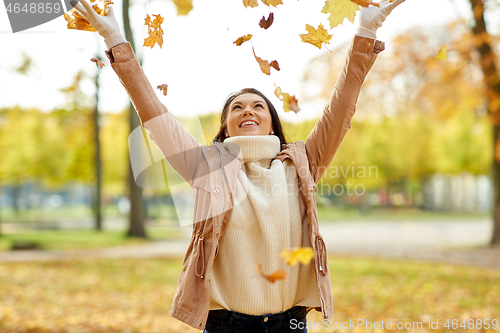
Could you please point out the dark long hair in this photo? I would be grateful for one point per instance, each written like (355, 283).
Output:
(276, 123)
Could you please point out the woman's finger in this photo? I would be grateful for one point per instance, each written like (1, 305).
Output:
(393, 4)
(374, 4)
(79, 9)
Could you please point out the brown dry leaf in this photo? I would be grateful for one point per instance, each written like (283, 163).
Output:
(316, 36)
(78, 22)
(366, 3)
(276, 275)
(155, 31)
(303, 255)
(250, 3)
(266, 23)
(290, 103)
(265, 66)
(98, 62)
(183, 6)
(272, 2)
(163, 88)
(242, 39)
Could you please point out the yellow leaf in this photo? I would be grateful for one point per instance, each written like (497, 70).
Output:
(290, 103)
(242, 39)
(441, 55)
(155, 31)
(339, 10)
(78, 22)
(316, 36)
(366, 3)
(272, 2)
(163, 88)
(276, 275)
(303, 255)
(183, 6)
(250, 3)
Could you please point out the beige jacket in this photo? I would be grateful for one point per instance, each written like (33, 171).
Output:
(213, 186)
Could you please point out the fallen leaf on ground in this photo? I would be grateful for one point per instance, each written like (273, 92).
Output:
(242, 39)
(163, 88)
(155, 31)
(441, 55)
(339, 10)
(290, 103)
(276, 275)
(266, 23)
(98, 62)
(303, 255)
(265, 66)
(316, 36)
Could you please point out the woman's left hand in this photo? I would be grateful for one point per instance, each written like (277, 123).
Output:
(372, 17)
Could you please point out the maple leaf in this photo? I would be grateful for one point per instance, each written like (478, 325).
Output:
(265, 66)
(290, 103)
(303, 255)
(266, 23)
(441, 55)
(98, 62)
(316, 36)
(242, 39)
(163, 88)
(339, 10)
(78, 22)
(155, 31)
(250, 3)
(183, 6)
(272, 2)
(276, 275)
(366, 3)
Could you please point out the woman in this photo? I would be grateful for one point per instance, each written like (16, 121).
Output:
(254, 193)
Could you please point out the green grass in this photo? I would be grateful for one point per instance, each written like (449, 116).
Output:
(82, 239)
(134, 295)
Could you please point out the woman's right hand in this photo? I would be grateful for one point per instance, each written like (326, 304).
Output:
(107, 26)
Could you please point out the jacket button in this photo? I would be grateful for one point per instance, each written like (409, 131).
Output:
(266, 319)
(216, 191)
(208, 148)
(217, 234)
(201, 324)
(183, 268)
(117, 53)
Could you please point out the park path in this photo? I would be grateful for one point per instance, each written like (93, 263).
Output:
(440, 241)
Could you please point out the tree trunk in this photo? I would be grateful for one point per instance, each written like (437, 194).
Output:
(136, 217)
(97, 157)
(492, 86)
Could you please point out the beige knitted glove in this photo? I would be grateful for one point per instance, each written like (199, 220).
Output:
(107, 26)
(371, 17)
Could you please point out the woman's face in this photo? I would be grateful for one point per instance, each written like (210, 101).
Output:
(248, 114)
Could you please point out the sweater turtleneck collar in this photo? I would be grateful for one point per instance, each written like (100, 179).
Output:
(252, 148)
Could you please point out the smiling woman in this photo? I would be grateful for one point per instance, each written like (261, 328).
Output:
(254, 193)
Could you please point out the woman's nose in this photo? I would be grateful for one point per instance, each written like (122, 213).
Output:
(247, 111)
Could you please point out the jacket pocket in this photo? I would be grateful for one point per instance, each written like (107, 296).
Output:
(322, 254)
(200, 257)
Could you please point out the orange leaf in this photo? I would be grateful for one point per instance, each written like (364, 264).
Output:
(265, 66)
(266, 23)
(276, 275)
(163, 88)
(98, 62)
(272, 2)
(290, 103)
(155, 31)
(242, 39)
(78, 22)
(250, 3)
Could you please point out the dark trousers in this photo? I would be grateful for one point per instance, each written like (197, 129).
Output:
(224, 321)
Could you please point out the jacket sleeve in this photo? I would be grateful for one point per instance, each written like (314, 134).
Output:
(328, 132)
(178, 146)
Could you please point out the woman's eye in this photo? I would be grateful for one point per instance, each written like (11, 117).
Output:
(259, 105)
(236, 106)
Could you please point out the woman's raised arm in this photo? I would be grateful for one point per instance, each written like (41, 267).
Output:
(178, 146)
(330, 129)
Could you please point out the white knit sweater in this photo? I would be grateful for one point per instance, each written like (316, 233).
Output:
(268, 216)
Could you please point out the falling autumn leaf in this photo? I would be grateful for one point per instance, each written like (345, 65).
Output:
(272, 2)
(183, 6)
(155, 31)
(78, 22)
(265, 66)
(276, 275)
(303, 255)
(163, 88)
(98, 62)
(366, 3)
(250, 3)
(266, 23)
(339, 10)
(316, 36)
(290, 103)
(242, 39)
(441, 55)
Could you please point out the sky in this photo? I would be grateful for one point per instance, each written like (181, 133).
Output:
(198, 59)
